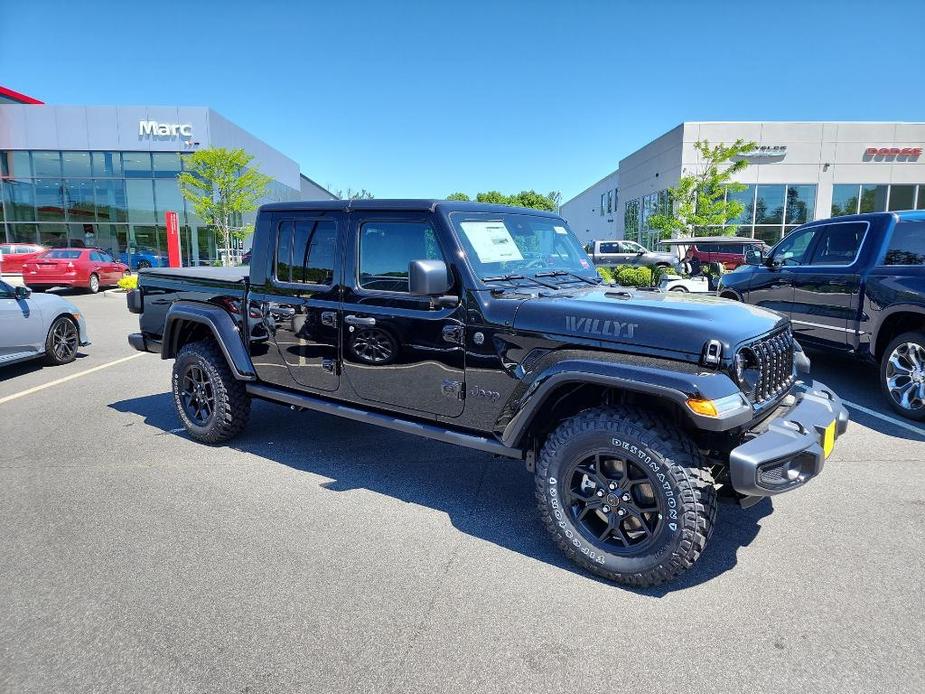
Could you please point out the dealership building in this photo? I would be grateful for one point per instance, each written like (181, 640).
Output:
(106, 175)
(798, 172)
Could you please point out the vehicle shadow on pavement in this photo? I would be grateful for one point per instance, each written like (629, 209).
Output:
(486, 497)
(27, 367)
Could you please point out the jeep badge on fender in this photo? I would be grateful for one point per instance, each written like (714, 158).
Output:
(485, 326)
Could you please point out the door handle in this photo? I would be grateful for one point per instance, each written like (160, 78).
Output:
(357, 320)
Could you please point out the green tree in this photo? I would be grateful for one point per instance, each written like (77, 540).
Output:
(525, 198)
(221, 188)
(699, 200)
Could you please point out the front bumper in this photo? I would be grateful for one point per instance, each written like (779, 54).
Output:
(791, 448)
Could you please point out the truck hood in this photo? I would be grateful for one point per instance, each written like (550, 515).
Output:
(663, 321)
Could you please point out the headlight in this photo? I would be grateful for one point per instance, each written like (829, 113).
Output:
(747, 370)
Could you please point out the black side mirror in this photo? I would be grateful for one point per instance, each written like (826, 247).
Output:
(428, 277)
(22, 293)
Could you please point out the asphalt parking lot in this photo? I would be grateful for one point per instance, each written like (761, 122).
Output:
(321, 554)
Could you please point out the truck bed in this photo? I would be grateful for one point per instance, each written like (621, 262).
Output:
(209, 274)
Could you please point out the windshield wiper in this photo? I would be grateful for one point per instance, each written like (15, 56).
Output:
(565, 273)
(511, 278)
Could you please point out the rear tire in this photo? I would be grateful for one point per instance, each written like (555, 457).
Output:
(93, 284)
(212, 404)
(902, 375)
(612, 459)
(679, 289)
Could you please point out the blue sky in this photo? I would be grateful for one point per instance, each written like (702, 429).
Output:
(421, 99)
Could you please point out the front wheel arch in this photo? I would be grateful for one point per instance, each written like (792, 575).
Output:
(729, 294)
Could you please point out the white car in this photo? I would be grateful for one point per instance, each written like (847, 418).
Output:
(40, 325)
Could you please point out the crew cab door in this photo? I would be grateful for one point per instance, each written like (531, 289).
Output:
(399, 350)
(294, 315)
(827, 284)
(771, 285)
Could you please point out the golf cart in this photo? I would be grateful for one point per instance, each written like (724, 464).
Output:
(705, 259)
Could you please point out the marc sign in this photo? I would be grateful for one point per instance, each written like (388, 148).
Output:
(892, 152)
(155, 129)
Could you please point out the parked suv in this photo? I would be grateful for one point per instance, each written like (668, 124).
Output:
(487, 326)
(855, 284)
(627, 253)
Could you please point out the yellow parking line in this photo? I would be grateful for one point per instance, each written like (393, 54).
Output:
(58, 381)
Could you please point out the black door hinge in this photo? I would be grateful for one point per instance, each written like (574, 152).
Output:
(454, 334)
(453, 389)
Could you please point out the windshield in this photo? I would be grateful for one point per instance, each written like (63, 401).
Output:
(513, 243)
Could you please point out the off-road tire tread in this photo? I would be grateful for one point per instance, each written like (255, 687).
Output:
(232, 403)
(697, 512)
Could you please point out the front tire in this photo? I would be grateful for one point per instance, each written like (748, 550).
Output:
(94, 283)
(679, 289)
(902, 375)
(625, 495)
(61, 342)
(212, 404)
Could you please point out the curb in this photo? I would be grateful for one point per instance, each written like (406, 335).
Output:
(113, 293)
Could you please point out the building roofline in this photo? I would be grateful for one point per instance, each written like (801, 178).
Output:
(317, 185)
(18, 97)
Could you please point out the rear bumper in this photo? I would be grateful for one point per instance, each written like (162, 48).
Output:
(52, 281)
(790, 449)
(139, 342)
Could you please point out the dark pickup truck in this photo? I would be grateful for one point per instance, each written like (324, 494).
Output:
(487, 326)
(855, 285)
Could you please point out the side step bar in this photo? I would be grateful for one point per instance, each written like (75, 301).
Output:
(407, 426)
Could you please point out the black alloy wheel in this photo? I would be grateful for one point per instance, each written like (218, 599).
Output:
(62, 342)
(613, 502)
(374, 346)
(197, 395)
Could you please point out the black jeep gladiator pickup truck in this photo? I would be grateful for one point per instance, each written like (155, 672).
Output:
(486, 326)
(855, 285)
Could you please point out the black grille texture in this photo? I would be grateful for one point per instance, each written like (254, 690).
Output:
(775, 363)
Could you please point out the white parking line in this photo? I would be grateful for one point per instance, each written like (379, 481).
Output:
(58, 381)
(885, 418)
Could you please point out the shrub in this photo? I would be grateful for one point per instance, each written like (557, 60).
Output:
(629, 276)
(606, 273)
(127, 283)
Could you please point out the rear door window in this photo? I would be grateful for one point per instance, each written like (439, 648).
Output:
(907, 245)
(610, 247)
(839, 243)
(314, 245)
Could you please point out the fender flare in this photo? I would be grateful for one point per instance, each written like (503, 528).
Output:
(223, 328)
(675, 387)
(884, 316)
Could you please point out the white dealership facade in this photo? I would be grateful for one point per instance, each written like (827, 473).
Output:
(798, 172)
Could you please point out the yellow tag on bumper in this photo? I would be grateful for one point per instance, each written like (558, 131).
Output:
(828, 439)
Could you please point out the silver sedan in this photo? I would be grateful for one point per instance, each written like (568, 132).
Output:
(39, 325)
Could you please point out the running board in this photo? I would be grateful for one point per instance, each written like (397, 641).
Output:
(407, 426)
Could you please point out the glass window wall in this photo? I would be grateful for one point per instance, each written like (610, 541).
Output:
(46, 164)
(902, 197)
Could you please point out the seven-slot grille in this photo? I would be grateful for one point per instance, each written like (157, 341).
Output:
(775, 363)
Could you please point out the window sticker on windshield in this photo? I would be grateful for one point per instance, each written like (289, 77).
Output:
(491, 241)
(560, 230)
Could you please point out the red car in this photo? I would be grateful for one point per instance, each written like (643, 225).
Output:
(728, 250)
(87, 268)
(13, 255)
